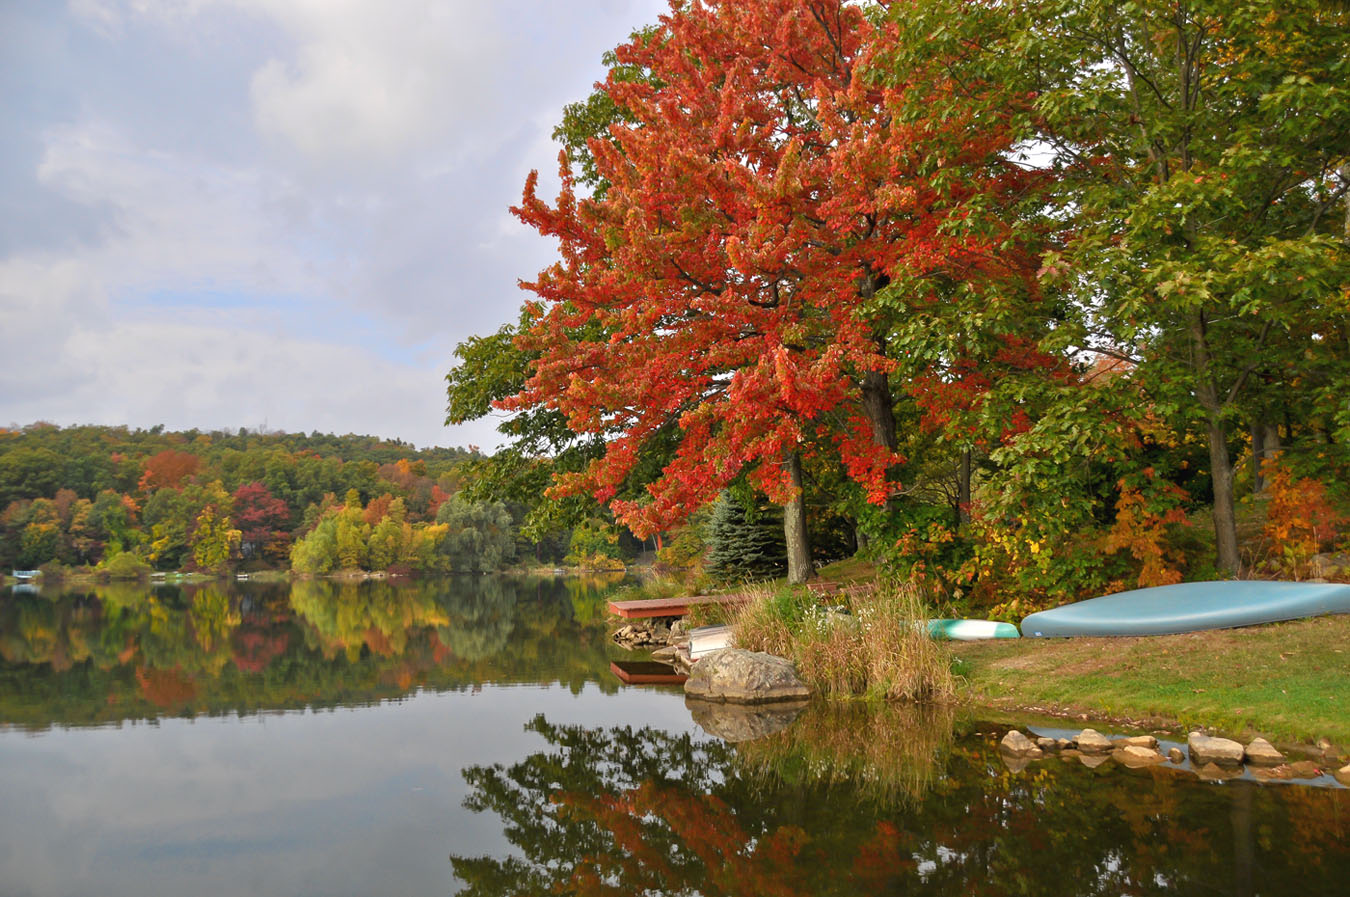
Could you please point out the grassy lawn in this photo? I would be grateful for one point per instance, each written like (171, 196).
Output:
(1287, 681)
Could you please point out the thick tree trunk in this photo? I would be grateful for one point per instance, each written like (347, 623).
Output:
(1220, 463)
(878, 405)
(794, 525)
(1225, 516)
(963, 489)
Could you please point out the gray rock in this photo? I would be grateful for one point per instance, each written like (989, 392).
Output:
(1090, 741)
(1143, 741)
(1016, 744)
(1047, 744)
(740, 722)
(1175, 755)
(1134, 756)
(1262, 753)
(1207, 749)
(738, 676)
(1214, 772)
(667, 653)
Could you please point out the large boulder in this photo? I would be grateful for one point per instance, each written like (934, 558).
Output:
(740, 722)
(1206, 749)
(737, 676)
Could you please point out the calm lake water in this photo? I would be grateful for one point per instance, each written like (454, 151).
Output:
(468, 736)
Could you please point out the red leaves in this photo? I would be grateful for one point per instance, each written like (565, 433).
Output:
(754, 186)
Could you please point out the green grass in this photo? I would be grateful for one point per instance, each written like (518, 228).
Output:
(1287, 681)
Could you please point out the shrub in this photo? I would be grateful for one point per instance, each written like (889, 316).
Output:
(880, 649)
(124, 565)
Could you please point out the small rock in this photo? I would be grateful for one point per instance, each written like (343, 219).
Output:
(679, 628)
(1134, 755)
(1090, 741)
(1047, 744)
(1213, 772)
(1207, 749)
(1143, 741)
(1262, 753)
(1063, 744)
(666, 653)
(1175, 755)
(1343, 774)
(1305, 769)
(1016, 744)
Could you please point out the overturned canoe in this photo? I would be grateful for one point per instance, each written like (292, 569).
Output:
(1189, 607)
(970, 630)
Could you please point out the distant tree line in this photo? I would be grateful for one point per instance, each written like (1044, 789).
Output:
(127, 501)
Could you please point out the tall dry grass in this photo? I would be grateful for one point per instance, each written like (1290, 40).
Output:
(881, 648)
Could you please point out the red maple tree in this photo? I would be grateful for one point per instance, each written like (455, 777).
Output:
(761, 193)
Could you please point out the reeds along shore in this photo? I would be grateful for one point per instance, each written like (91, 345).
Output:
(868, 645)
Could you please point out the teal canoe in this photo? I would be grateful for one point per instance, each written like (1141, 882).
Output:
(970, 630)
(1189, 607)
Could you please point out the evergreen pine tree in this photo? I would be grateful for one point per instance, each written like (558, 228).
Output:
(746, 544)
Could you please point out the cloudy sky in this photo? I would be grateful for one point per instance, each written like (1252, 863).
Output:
(237, 213)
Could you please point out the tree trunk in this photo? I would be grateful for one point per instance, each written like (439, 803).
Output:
(878, 405)
(963, 489)
(1258, 431)
(1220, 464)
(1225, 517)
(794, 525)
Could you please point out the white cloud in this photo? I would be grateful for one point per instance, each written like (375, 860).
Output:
(373, 81)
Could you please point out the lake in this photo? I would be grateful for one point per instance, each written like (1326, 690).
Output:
(468, 736)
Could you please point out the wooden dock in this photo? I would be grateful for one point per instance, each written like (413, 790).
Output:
(669, 607)
(678, 607)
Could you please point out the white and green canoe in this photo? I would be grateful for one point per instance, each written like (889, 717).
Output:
(970, 630)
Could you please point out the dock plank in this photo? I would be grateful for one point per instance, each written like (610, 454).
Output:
(668, 607)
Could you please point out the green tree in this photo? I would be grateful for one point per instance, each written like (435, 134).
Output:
(480, 536)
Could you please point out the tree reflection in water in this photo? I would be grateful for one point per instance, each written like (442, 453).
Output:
(820, 810)
(118, 652)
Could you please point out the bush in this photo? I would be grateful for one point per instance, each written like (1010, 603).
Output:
(124, 565)
(881, 649)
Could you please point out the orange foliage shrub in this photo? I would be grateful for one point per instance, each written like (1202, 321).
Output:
(1300, 520)
(1141, 527)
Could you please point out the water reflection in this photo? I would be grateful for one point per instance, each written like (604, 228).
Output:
(110, 653)
(820, 809)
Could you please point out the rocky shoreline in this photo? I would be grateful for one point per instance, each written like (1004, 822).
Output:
(1209, 757)
(747, 678)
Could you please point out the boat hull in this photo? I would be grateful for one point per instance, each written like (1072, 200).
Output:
(970, 630)
(707, 639)
(1189, 607)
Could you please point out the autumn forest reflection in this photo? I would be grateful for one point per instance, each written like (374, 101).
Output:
(625, 811)
(110, 653)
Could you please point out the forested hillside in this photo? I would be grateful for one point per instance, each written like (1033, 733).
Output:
(128, 500)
